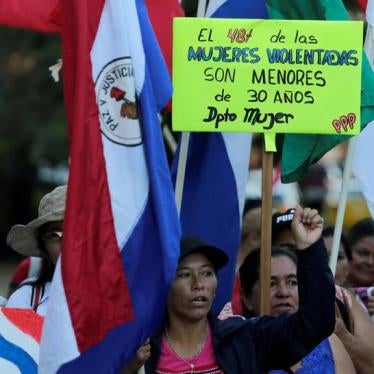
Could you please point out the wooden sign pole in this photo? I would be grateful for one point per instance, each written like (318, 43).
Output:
(266, 213)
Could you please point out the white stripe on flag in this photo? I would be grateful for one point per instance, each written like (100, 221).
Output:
(235, 144)
(370, 12)
(126, 166)
(58, 320)
(213, 6)
(14, 335)
(369, 42)
(362, 168)
(364, 150)
(8, 367)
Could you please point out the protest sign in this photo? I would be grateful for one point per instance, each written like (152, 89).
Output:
(267, 76)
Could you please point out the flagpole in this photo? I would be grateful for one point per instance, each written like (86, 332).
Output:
(169, 138)
(185, 140)
(201, 7)
(266, 214)
(341, 206)
(182, 162)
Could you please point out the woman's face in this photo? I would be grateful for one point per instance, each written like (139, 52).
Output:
(192, 291)
(52, 238)
(362, 264)
(342, 265)
(284, 295)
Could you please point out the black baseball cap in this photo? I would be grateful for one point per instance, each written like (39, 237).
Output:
(216, 256)
(281, 221)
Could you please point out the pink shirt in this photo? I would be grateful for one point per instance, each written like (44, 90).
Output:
(171, 363)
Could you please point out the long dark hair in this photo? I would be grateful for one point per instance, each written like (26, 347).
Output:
(362, 228)
(48, 267)
(329, 231)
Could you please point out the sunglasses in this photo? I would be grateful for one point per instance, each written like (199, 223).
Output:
(52, 236)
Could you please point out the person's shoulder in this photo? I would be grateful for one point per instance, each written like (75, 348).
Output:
(20, 298)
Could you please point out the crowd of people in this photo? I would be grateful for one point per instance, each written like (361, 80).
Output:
(315, 325)
(350, 349)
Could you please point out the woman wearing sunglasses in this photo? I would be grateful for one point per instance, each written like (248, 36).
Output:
(41, 237)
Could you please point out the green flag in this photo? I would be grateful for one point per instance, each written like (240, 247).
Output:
(301, 151)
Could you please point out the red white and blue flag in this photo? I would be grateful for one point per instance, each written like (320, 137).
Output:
(363, 150)
(161, 14)
(217, 172)
(20, 331)
(121, 230)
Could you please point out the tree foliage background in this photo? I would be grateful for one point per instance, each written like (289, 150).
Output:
(32, 123)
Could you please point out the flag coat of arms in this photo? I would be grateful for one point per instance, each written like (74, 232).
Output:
(121, 229)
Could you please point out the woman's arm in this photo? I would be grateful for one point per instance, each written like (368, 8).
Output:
(360, 344)
(283, 341)
(342, 361)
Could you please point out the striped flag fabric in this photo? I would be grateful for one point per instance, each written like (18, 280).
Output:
(161, 14)
(38, 15)
(121, 229)
(20, 331)
(236, 9)
(364, 141)
(216, 175)
(369, 40)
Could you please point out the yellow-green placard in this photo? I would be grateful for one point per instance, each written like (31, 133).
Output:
(270, 76)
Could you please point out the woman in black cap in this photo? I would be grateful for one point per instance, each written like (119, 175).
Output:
(193, 341)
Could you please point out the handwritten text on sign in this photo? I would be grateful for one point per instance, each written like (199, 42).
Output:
(267, 76)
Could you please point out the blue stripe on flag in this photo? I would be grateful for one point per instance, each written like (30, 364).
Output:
(150, 258)
(151, 253)
(147, 269)
(16, 355)
(159, 79)
(239, 9)
(210, 207)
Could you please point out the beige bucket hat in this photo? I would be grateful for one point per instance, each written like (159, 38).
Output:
(22, 238)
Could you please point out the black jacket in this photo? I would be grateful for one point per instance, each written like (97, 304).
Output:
(253, 346)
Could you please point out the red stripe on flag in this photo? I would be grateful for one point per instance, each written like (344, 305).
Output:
(92, 271)
(362, 4)
(26, 320)
(39, 15)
